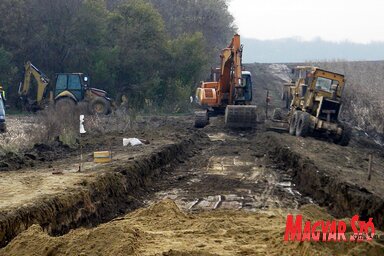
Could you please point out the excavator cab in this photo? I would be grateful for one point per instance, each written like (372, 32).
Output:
(247, 83)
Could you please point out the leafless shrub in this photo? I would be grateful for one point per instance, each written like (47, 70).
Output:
(62, 124)
(18, 135)
(120, 121)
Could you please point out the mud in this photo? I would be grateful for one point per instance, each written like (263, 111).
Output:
(16, 152)
(38, 154)
(231, 171)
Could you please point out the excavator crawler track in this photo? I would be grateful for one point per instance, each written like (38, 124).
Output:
(201, 119)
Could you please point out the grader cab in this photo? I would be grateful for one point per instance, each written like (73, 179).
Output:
(316, 105)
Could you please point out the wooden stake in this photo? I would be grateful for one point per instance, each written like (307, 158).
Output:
(81, 155)
(266, 105)
(110, 149)
(370, 167)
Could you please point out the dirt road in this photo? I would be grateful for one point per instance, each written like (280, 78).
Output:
(231, 171)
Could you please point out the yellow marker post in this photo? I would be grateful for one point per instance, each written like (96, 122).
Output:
(102, 157)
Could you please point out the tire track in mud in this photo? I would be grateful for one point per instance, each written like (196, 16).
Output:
(232, 171)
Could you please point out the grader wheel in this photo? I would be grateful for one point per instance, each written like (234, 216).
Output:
(345, 137)
(293, 122)
(303, 125)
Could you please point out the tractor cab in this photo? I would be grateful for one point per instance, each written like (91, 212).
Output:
(74, 88)
(71, 85)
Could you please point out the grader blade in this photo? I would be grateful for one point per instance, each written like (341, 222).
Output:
(279, 126)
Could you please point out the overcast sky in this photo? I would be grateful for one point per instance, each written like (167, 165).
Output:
(332, 20)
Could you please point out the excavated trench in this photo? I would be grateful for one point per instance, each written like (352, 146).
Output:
(108, 195)
(124, 187)
(343, 199)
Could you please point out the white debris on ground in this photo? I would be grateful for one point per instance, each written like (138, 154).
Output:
(132, 142)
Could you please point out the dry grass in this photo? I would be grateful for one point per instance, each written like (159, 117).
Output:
(120, 120)
(51, 125)
(19, 134)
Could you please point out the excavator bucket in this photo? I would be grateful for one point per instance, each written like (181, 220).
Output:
(241, 116)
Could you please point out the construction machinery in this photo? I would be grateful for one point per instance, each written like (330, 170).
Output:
(316, 105)
(300, 76)
(67, 89)
(3, 126)
(230, 92)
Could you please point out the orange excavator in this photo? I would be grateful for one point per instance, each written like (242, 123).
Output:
(230, 92)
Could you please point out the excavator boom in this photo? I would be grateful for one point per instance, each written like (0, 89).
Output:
(25, 87)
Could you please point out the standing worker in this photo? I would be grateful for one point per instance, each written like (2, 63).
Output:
(2, 91)
(3, 127)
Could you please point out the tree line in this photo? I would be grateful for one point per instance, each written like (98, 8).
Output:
(154, 51)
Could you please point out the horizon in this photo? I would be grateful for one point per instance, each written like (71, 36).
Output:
(278, 19)
(290, 50)
(311, 40)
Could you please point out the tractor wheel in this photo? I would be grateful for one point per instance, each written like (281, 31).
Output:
(100, 106)
(345, 137)
(303, 125)
(293, 123)
(65, 104)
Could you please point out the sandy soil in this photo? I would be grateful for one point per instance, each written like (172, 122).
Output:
(163, 229)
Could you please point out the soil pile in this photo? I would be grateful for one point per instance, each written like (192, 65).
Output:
(163, 229)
